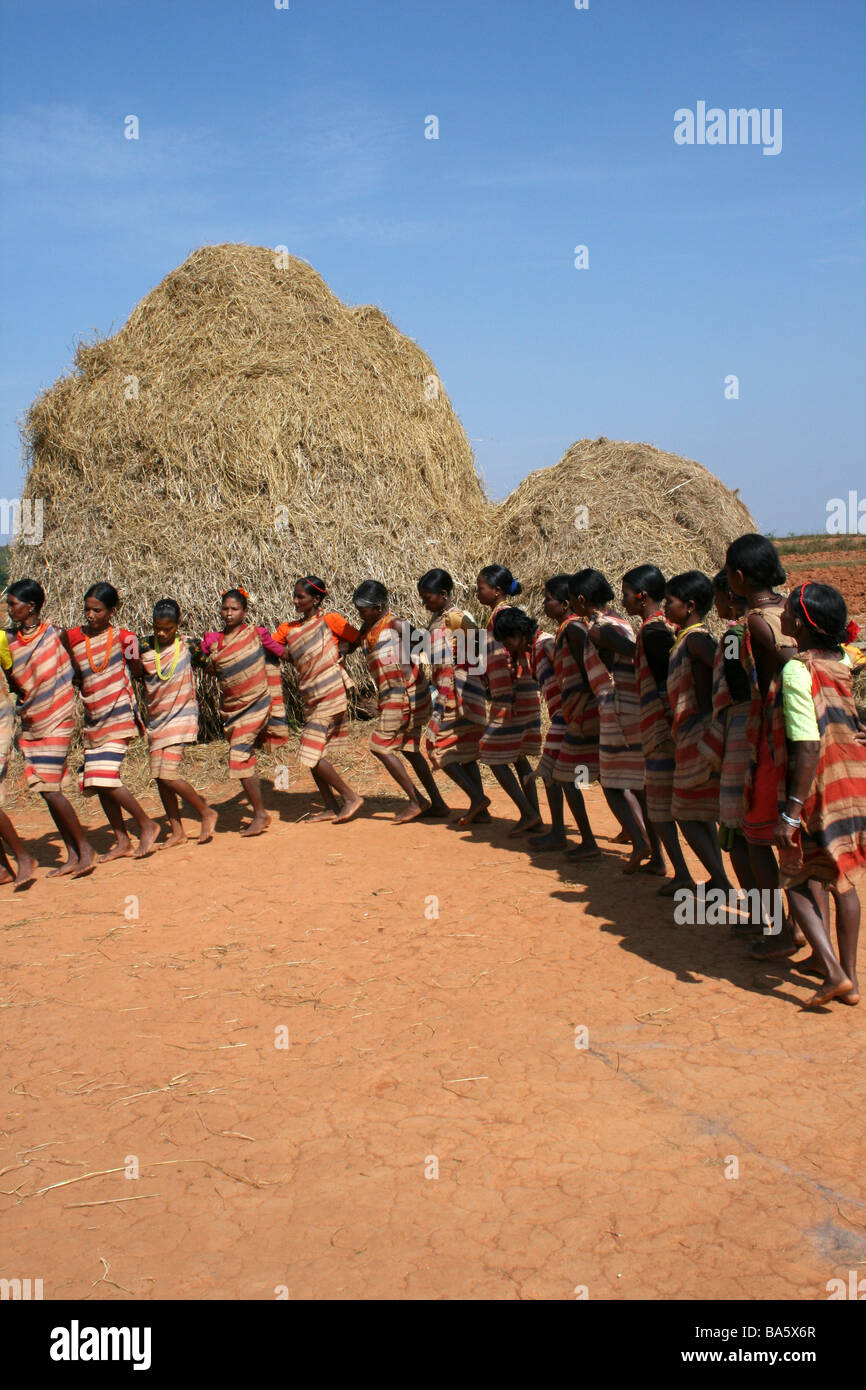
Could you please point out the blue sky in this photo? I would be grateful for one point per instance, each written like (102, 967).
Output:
(305, 127)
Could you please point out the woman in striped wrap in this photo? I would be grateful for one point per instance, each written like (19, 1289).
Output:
(41, 677)
(245, 661)
(753, 569)
(100, 655)
(821, 760)
(312, 645)
(9, 838)
(459, 707)
(404, 700)
(695, 803)
(608, 660)
(643, 590)
(513, 732)
(165, 667)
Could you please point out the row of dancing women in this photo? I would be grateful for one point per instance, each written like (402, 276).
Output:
(748, 745)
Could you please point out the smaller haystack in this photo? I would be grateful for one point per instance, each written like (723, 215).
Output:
(609, 505)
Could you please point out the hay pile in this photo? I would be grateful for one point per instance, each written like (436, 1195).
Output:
(642, 506)
(245, 426)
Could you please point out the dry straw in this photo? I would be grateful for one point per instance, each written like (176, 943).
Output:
(609, 505)
(246, 427)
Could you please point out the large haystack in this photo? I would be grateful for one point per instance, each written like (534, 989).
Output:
(610, 505)
(245, 426)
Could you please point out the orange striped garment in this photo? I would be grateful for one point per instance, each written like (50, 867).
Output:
(514, 718)
(621, 760)
(311, 646)
(696, 786)
(577, 761)
(405, 704)
(251, 697)
(111, 718)
(540, 660)
(833, 819)
(655, 726)
(460, 709)
(172, 707)
(46, 708)
(7, 721)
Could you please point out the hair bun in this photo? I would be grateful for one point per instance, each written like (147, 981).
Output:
(516, 588)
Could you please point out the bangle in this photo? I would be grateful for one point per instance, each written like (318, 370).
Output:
(789, 820)
(798, 799)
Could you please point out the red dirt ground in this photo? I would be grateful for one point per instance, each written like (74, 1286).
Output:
(847, 573)
(412, 1038)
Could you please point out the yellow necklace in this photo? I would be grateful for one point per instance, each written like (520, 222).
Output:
(171, 670)
(685, 632)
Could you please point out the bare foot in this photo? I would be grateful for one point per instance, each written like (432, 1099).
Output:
(320, 816)
(146, 839)
(675, 885)
(349, 809)
(122, 850)
(26, 872)
(584, 851)
(775, 947)
(656, 867)
(257, 826)
(843, 986)
(177, 837)
(523, 825)
(552, 840)
(208, 823)
(636, 858)
(476, 811)
(437, 812)
(412, 812)
(621, 839)
(852, 997)
(85, 862)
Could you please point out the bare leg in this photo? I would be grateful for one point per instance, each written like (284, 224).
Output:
(79, 851)
(527, 781)
(338, 795)
(169, 791)
(116, 800)
(667, 833)
(468, 778)
(623, 809)
(807, 914)
(790, 939)
(424, 773)
(555, 837)
(703, 837)
(847, 932)
(26, 862)
(261, 820)
(588, 847)
(507, 779)
(397, 770)
(656, 863)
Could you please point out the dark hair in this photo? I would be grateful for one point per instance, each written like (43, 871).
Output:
(693, 586)
(646, 579)
(513, 622)
(28, 591)
(106, 594)
(757, 558)
(370, 594)
(591, 585)
(436, 582)
(236, 593)
(824, 613)
(557, 587)
(498, 577)
(167, 608)
(313, 586)
(720, 583)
